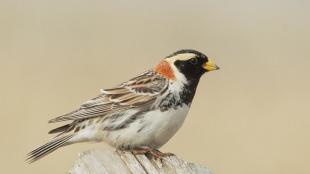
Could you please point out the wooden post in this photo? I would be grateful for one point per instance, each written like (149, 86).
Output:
(111, 162)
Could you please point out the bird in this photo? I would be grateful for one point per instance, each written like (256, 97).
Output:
(139, 115)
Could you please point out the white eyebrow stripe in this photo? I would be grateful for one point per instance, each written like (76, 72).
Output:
(185, 56)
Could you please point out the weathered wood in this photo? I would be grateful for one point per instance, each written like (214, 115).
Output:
(111, 162)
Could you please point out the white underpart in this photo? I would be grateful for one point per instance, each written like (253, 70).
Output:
(156, 128)
(89, 133)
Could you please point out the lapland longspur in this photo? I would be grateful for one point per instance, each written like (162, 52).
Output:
(139, 115)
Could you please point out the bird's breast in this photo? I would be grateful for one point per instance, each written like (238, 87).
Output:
(162, 125)
(153, 128)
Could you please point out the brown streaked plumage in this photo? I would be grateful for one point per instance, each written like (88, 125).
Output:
(136, 92)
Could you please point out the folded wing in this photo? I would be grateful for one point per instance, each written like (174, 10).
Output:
(140, 91)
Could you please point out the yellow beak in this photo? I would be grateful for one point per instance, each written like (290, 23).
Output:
(210, 66)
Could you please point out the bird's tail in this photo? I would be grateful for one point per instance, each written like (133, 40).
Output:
(48, 148)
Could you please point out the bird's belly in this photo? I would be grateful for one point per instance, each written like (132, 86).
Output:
(153, 129)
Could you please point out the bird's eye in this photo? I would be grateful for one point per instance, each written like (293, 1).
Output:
(193, 61)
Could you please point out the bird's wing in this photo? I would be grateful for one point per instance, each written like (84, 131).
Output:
(140, 91)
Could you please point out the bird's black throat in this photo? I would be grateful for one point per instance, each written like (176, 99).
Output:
(188, 92)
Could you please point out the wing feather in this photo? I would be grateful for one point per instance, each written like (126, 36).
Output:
(137, 92)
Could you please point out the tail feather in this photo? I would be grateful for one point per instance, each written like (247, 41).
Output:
(47, 148)
(62, 129)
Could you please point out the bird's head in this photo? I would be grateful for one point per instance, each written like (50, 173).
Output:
(188, 65)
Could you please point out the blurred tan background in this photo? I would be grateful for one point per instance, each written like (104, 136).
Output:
(252, 117)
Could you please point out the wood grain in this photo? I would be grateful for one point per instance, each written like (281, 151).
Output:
(112, 162)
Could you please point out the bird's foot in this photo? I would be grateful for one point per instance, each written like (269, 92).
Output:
(141, 150)
(167, 154)
(150, 151)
